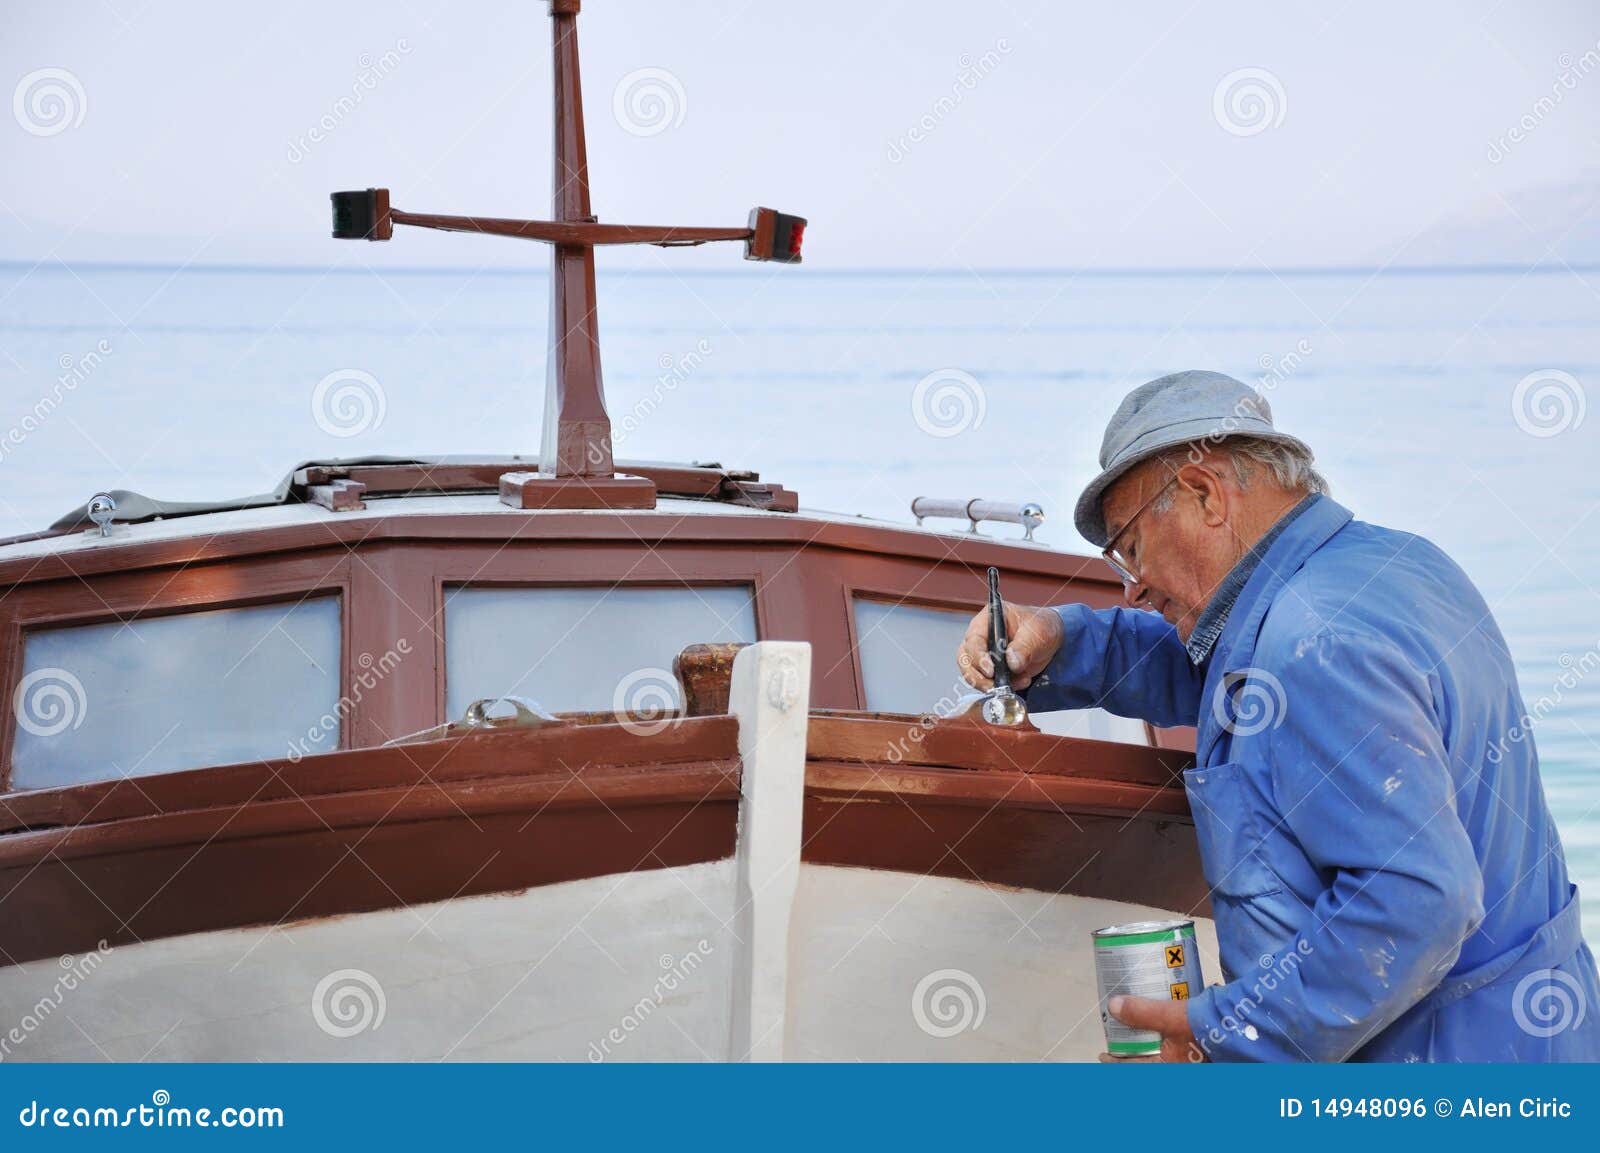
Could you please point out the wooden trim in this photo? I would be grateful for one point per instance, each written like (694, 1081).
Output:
(352, 831)
(485, 756)
(491, 812)
(964, 800)
(1092, 573)
(1146, 860)
(859, 782)
(971, 746)
(585, 786)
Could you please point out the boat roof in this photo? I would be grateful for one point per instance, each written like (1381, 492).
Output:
(436, 487)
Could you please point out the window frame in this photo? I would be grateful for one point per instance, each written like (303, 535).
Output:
(854, 593)
(751, 580)
(144, 595)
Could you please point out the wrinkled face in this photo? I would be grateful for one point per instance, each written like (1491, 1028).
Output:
(1178, 553)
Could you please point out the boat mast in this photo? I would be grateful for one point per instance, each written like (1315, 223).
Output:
(576, 469)
(577, 429)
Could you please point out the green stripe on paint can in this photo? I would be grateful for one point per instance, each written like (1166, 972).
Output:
(1109, 942)
(1135, 1048)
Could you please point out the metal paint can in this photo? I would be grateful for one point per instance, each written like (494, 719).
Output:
(1144, 959)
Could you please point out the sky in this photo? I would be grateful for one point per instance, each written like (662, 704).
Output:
(912, 133)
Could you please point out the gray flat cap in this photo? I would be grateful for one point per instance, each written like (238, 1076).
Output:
(1178, 409)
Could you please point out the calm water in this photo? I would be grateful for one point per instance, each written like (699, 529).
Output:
(1404, 383)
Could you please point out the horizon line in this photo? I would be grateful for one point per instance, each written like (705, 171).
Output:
(1492, 268)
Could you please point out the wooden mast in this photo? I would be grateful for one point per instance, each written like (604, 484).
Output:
(577, 430)
(576, 469)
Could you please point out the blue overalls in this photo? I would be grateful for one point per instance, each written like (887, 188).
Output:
(1386, 881)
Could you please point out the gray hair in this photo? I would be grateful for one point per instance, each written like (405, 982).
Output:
(1292, 467)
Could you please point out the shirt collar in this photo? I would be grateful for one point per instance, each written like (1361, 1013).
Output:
(1215, 616)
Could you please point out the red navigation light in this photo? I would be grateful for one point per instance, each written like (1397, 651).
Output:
(774, 235)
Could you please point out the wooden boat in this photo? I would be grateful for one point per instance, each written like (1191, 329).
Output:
(551, 758)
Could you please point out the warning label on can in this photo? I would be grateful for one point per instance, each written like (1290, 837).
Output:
(1158, 962)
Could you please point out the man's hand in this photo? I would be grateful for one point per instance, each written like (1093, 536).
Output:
(1035, 635)
(1169, 1018)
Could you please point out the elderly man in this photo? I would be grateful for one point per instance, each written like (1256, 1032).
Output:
(1386, 881)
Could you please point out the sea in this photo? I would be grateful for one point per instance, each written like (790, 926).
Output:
(1453, 403)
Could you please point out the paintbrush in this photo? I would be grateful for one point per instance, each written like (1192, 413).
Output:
(1001, 706)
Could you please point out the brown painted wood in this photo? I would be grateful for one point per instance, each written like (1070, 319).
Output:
(988, 789)
(1144, 861)
(880, 790)
(973, 745)
(370, 829)
(806, 575)
(1065, 574)
(497, 811)
(581, 232)
(708, 482)
(430, 853)
(577, 430)
(772, 497)
(965, 800)
(485, 756)
(532, 490)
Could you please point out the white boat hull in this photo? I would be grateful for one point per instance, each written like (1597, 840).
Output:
(632, 967)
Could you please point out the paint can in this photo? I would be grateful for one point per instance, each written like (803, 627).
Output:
(1144, 959)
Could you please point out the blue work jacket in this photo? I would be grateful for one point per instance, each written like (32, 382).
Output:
(1386, 881)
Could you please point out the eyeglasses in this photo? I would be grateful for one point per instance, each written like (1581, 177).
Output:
(1120, 560)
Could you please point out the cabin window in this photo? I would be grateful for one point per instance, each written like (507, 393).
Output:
(908, 665)
(583, 649)
(156, 694)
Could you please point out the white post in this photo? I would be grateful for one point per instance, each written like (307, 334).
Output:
(770, 694)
